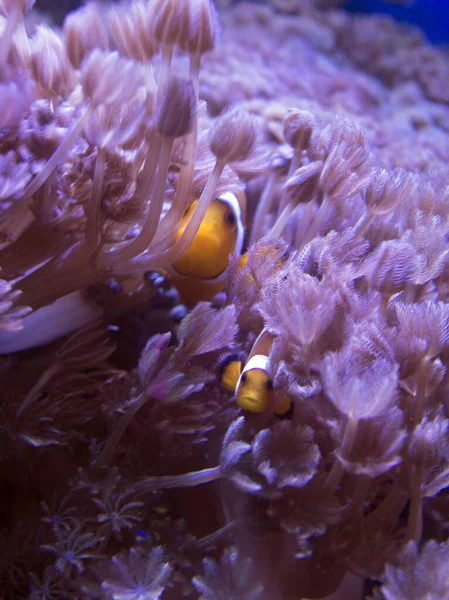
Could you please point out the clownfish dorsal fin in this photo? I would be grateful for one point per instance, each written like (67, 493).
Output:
(263, 344)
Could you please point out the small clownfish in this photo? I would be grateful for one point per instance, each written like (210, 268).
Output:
(252, 385)
(201, 272)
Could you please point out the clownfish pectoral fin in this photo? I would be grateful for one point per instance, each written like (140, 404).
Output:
(230, 371)
(243, 260)
(285, 408)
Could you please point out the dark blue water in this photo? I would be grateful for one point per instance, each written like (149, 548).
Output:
(432, 16)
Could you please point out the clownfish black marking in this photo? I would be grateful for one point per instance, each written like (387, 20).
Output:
(201, 272)
(252, 385)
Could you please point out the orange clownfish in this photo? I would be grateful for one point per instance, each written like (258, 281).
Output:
(252, 385)
(201, 272)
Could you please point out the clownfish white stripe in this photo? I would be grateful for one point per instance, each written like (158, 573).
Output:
(232, 201)
(258, 361)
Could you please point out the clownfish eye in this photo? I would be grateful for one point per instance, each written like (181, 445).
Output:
(269, 384)
(243, 378)
(230, 219)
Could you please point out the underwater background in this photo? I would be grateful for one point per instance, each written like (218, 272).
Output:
(432, 16)
(224, 300)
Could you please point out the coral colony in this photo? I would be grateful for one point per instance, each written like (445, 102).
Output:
(184, 416)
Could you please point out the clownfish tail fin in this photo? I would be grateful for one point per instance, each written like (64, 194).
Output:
(230, 368)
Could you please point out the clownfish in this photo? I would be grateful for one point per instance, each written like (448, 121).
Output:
(253, 385)
(201, 272)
